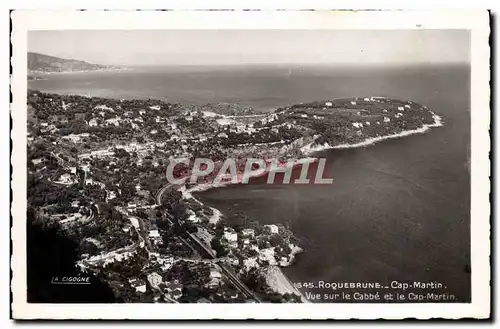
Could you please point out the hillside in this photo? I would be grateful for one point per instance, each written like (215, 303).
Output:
(44, 63)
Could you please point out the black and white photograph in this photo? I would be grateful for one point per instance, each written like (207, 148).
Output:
(255, 164)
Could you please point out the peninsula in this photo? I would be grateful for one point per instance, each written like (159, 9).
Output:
(45, 64)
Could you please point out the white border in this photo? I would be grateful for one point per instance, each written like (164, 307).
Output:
(475, 20)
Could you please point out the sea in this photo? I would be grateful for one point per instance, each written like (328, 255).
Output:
(397, 211)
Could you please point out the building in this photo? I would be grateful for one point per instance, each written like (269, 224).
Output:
(215, 274)
(174, 289)
(153, 232)
(192, 217)
(113, 121)
(231, 236)
(64, 179)
(154, 279)
(139, 285)
(273, 228)
(93, 123)
(329, 104)
(248, 232)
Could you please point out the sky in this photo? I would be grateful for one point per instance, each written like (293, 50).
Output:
(222, 47)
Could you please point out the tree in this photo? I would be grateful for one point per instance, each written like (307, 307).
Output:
(218, 247)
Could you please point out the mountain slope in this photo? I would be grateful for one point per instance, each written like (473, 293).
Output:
(44, 63)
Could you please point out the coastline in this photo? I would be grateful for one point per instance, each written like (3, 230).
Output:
(438, 122)
(280, 283)
(121, 69)
(274, 275)
(309, 149)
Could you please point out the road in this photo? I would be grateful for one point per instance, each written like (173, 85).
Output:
(60, 161)
(226, 269)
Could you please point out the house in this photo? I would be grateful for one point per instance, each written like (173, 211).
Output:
(111, 195)
(139, 285)
(386, 119)
(176, 294)
(103, 107)
(267, 255)
(192, 217)
(153, 233)
(273, 228)
(92, 123)
(155, 279)
(215, 274)
(248, 232)
(104, 152)
(329, 104)
(231, 236)
(64, 179)
(354, 103)
(113, 121)
(174, 289)
(400, 108)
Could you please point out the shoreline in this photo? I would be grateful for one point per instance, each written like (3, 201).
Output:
(274, 275)
(438, 122)
(308, 150)
(81, 71)
(280, 283)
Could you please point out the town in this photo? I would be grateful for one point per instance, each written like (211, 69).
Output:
(96, 172)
